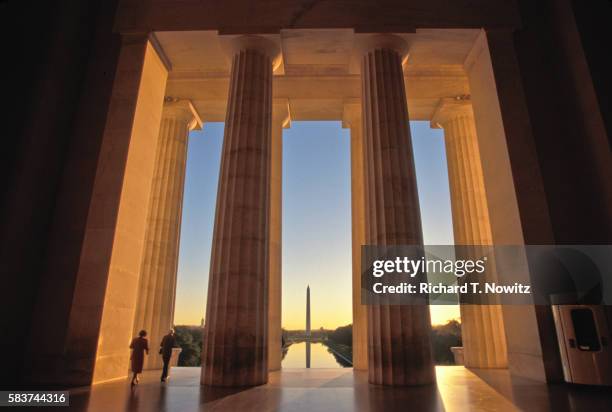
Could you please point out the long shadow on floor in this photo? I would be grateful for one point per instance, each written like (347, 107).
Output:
(532, 395)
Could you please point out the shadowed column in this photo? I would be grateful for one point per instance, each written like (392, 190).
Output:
(482, 326)
(157, 284)
(235, 347)
(399, 350)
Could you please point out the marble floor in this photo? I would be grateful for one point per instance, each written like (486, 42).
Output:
(457, 389)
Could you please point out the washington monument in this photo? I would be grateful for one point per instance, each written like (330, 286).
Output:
(308, 334)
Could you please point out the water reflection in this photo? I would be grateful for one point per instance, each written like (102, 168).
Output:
(310, 355)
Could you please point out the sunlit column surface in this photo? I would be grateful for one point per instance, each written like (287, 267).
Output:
(280, 120)
(399, 350)
(352, 120)
(235, 347)
(157, 284)
(482, 326)
(99, 325)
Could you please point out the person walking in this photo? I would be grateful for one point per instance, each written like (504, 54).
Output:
(139, 346)
(165, 350)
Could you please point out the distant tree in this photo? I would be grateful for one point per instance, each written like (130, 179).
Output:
(443, 337)
(189, 338)
(340, 344)
(342, 335)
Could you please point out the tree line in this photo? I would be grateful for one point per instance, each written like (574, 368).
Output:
(443, 337)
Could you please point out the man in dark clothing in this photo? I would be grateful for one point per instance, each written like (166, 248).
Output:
(165, 350)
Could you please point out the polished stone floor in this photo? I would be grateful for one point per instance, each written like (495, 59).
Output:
(458, 389)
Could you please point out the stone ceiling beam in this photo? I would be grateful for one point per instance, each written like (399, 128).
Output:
(319, 97)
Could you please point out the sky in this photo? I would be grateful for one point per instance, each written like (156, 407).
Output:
(316, 219)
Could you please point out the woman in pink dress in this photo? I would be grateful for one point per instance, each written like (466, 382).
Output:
(139, 346)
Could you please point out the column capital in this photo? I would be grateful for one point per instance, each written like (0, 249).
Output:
(351, 113)
(450, 108)
(281, 112)
(182, 109)
(365, 43)
(268, 46)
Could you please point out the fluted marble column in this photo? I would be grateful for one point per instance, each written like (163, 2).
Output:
(399, 351)
(280, 120)
(235, 347)
(352, 119)
(482, 326)
(157, 283)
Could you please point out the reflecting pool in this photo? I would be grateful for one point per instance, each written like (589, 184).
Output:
(298, 356)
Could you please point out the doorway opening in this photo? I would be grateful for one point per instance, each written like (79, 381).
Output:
(105, 291)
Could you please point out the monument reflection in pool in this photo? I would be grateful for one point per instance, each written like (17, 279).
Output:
(309, 354)
(320, 357)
